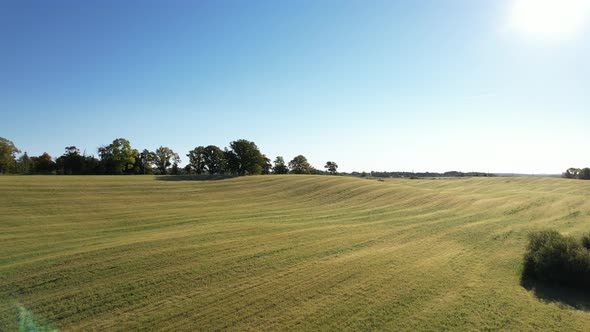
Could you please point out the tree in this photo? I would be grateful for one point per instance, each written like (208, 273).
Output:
(279, 166)
(71, 162)
(118, 157)
(163, 156)
(91, 165)
(8, 153)
(214, 159)
(24, 164)
(244, 158)
(577, 173)
(43, 164)
(175, 170)
(299, 165)
(572, 173)
(266, 165)
(197, 159)
(332, 167)
(145, 161)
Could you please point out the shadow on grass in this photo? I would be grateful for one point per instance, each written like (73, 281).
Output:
(565, 296)
(193, 177)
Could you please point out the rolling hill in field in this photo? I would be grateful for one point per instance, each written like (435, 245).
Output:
(281, 253)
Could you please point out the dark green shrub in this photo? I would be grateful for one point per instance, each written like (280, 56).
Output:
(586, 241)
(554, 258)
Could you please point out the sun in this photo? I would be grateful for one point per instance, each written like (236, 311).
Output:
(550, 20)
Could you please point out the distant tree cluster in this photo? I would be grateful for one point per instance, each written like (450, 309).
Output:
(577, 173)
(116, 158)
(242, 157)
(419, 174)
(555, 258)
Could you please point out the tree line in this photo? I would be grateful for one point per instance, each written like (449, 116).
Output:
(577, 173)
(419, 174)
(242, 157)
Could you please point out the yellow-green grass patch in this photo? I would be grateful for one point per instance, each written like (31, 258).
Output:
(280, 252)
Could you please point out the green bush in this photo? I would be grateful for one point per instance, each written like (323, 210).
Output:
(554, 258)
(586, 241)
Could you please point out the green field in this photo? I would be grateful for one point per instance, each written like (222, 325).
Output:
(282, 253)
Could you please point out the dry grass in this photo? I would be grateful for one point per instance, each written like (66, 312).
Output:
(280, 253)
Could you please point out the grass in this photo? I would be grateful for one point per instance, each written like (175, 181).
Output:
(280, 253)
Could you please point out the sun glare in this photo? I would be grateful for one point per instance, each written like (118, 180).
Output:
(549, 20)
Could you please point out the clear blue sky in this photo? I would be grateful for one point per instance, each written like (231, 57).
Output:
(499, 86)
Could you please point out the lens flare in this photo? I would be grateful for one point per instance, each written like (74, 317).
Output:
(549, 19)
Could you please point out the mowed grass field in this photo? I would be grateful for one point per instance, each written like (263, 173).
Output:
(280, 253)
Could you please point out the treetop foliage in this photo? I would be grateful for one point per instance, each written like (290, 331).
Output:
(8, 153)
(244, 158)
(164, 157)
(300, 165)
(279, 166)
(331, 167)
